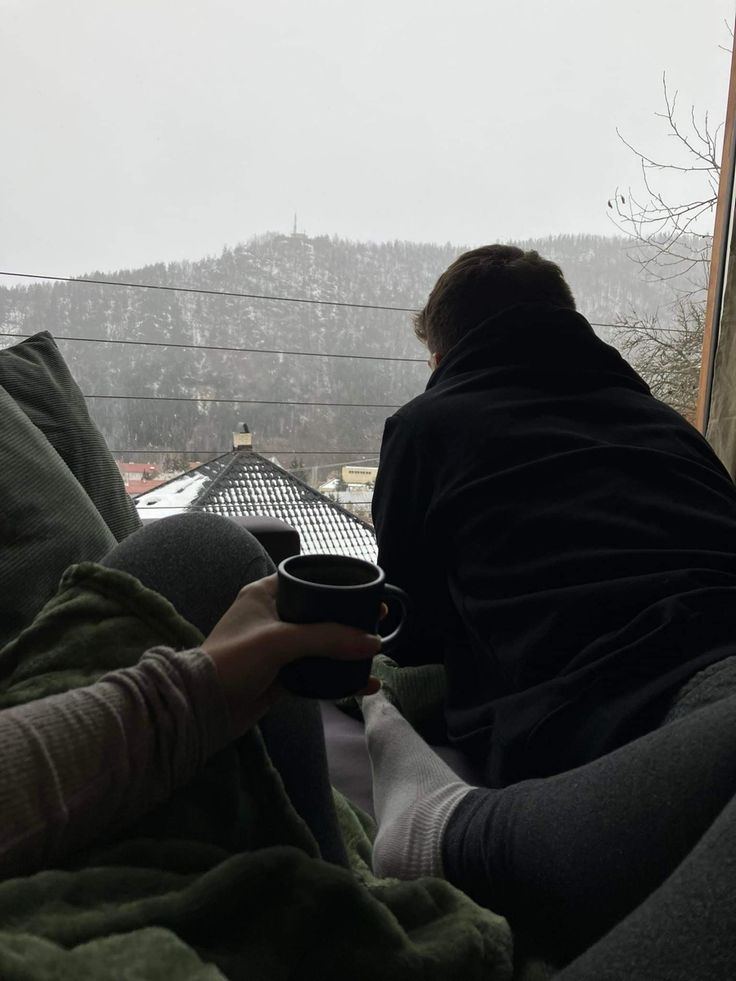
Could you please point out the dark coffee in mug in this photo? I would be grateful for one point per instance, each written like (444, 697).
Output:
(332, 589)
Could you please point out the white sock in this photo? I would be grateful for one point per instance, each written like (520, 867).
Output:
(414, 794)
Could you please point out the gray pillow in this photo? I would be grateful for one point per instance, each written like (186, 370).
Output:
(47, 521)
(36, 376)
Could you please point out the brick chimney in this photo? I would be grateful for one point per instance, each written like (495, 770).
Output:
(242, 440)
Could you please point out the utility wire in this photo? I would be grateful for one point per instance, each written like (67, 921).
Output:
(254, 296)
(192, 289)
(261, 450)
(183, 507)
(214, 347)
(182, 398)
(328, 466)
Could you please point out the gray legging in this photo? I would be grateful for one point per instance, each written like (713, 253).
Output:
(199, 562)
(641, 843)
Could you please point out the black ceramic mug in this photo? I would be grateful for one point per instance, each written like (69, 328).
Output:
(333, 589)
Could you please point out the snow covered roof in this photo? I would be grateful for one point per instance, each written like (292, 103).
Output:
(176, 495)
(245, 483)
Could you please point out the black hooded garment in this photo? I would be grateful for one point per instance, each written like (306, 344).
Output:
(568, 542)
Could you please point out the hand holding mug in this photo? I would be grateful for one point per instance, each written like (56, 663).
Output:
(333, 589)
(251, 644)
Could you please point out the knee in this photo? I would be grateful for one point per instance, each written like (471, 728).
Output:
(221, 538)
(199, 524)
(211, 539)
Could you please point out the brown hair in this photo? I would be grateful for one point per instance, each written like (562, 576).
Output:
(481, 283)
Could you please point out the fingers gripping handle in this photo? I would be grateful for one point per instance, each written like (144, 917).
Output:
(403, 600)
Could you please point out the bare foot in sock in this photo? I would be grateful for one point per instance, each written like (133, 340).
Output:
(414, 794)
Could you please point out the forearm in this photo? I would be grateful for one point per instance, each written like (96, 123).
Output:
(83, 764)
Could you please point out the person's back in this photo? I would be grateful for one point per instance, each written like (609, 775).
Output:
(566, 538)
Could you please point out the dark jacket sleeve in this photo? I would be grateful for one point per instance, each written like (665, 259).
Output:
(399, 507)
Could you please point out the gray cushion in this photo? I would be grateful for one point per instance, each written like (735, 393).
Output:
(36, 376)
(47, 521)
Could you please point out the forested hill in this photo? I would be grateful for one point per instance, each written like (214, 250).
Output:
(605, 281)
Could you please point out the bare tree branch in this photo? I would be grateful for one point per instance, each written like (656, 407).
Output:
(669, 244)
(729, 28)
(669, 362)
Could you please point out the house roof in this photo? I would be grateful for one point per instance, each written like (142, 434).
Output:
(245, 483)
(137, 467)
(136, 487)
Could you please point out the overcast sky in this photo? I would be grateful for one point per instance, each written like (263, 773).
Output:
(136, 131)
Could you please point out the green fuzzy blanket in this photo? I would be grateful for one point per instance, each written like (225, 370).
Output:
(224, 879)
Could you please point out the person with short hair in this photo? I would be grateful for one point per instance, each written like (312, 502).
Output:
(568, 543)
(483, 282)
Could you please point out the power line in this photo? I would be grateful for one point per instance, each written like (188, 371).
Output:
(659, 330)
(193, 289)
(366, 458)
(261, 450)
(253, 296)
(183, 507)
(182, 398)
(326, 466)
(217, 347)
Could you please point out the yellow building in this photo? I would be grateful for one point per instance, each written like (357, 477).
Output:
(359, 475)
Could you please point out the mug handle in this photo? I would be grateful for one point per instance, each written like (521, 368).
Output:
(400, 595)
